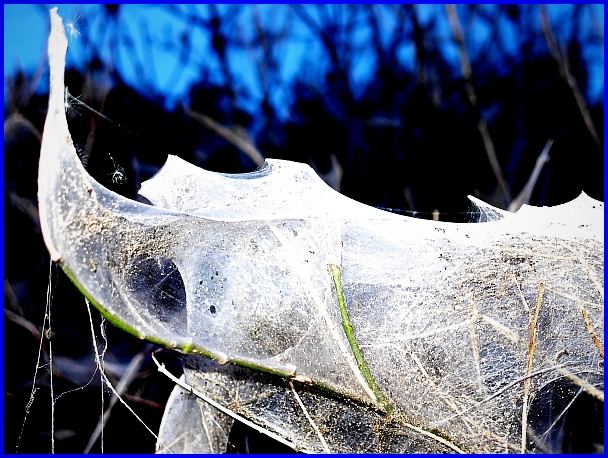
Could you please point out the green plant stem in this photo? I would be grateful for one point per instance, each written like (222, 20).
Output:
(336, 274)
(188, 347)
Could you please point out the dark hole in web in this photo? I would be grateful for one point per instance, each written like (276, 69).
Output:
(158, 283)
(565, 419)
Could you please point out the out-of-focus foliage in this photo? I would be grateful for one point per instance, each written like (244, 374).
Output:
(444, 91)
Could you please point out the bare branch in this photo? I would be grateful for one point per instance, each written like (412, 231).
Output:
(465, 66)
(564, 70)
(524, 196)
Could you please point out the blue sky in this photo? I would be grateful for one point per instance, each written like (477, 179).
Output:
(26, 29)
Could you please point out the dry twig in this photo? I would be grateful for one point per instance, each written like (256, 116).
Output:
(564, 70)
(524, 196)
(482, 127)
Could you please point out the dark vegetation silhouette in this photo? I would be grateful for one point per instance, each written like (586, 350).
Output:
(416, 138)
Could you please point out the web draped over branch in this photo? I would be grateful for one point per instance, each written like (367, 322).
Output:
(346, 328)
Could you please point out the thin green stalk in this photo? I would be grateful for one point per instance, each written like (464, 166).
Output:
(193, 349)
(336, 274)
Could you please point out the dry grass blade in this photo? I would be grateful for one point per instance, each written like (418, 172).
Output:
(124, 383)
(584, 384)
(530, 361)
(17, 120)
(238, 139)
(309, 418)
(434, 436)
(105, 378)
(24, 323)
(590, 329)
(25, 206)
(221, 408)
(11, 301)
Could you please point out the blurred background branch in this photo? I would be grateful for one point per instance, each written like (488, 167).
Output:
(561, 59)
(467, 74)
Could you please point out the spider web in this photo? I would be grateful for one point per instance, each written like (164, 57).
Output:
(401, 334)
